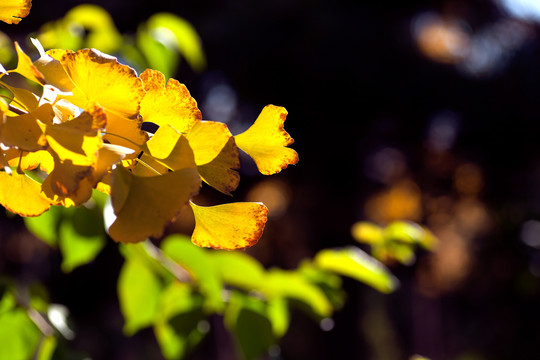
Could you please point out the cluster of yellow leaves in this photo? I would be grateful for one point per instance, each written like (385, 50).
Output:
(83, 130)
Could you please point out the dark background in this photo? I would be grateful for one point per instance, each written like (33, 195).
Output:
(364, 103)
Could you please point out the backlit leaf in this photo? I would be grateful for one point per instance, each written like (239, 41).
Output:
(293, 285)
(100, 78)
(144, 205)
(120, 128)
(81, 237)
(266, 140)
(177, 327)
(22, 195)
(12, 11)
(78, 141)
(171, 104)
(354, 263)
(243, 315)
(20, 336)
(26, 131)
(185, 37)
(139, 291)
(201, 267)
(26, 68)
(216, 155)
(239, 269)
(171, 149)
(228, 226)
(45, 226)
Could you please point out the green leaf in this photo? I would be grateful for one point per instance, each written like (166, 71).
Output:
(47, 347)
(293, 285)
(178, 327)
(101, 32)
(246, 317)
(19, 335)
(239, 269)
(81, 237)
(354, 263)
(139, 293)
(45, 226)
(170, 28)
(279, 316)
(196, 260)
(328, 282)
(157, 54)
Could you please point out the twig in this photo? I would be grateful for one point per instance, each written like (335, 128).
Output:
(178, 271)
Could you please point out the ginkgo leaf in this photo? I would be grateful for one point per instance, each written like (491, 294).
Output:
(171, 104)
(216, 155)
(100, 78)
(30, 160)
(266, 140)
(171, 149)
(125, 132)
(12, 11)
(228, 226)
(25, 132)
(22, 195)
(51, 68)
(78, 141)
(23, 98)
(144, 205)
(26, 68)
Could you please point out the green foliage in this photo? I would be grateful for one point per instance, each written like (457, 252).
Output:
(355, 263)
(77, 231)
(159, 43)
(25, 332)
(155, 290)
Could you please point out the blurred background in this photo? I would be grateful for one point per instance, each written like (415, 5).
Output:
(426, 111)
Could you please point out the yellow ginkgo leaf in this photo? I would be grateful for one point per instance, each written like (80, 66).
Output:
(78, 141)
(12, 11)
(125, 132)
(26, 68)
(64, 179)
(171, 149)
(144, 205)
(266, 140)
(30, 160)
(171, 104)
(228, 226)
(100, 78)
(25, 132)
(51, 68)
(216, 155)
(21, 195)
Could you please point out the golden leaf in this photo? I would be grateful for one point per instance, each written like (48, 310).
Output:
(266, 140)
(216, 155)
(171, 104)
(30, 160)
(171, 149)
(26, 68)
(228, 226)
(120, 128)
(25, 132)
(21, 195)
(100, 78)
(78, 140)
(144, 205)
(12, 11)
(52, 69)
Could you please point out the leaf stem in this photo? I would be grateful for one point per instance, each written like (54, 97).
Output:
(124, 138)
(148, 166)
